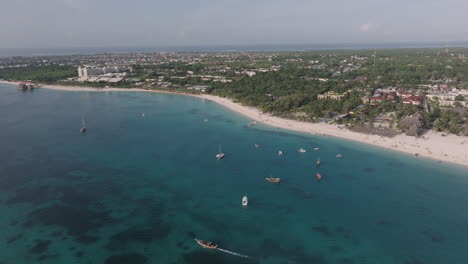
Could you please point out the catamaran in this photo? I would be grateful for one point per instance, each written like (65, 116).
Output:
(83, 125)
(220, 154)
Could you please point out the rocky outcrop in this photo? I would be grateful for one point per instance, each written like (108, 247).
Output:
(412, 125)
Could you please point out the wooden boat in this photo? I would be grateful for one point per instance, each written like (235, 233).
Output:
(274, 180)
(245, 201)
(317, 163)
(206, 244)
(318, 176)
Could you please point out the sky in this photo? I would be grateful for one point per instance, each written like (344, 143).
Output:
(100, 23)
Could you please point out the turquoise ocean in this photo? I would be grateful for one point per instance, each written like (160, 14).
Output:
(138, 189)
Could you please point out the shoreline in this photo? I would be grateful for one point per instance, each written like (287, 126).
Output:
(433, 145)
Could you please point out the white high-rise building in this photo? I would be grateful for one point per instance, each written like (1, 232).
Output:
(85, 72)
(80, 72)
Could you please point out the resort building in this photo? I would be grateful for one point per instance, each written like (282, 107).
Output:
(332, 95)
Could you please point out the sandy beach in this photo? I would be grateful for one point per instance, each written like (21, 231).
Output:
(448, 148)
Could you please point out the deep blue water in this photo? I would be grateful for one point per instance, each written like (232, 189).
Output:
(137, 189)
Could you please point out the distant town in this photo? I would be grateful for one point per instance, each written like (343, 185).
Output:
(382, 92)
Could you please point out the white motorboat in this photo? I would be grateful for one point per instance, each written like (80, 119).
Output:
(245, 201)
(220, 154)
(301, 150)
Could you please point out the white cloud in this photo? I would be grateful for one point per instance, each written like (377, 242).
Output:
(369, 27)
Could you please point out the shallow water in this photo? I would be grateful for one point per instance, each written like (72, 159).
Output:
(138, 189)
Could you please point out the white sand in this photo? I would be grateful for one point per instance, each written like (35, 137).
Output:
(449, 148)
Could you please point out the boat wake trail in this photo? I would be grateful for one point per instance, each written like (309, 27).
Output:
(233, 253)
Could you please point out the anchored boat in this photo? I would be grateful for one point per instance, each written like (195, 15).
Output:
(245, 201)
(220, 154)
(273, 180)
(318, 176)
(83, 125)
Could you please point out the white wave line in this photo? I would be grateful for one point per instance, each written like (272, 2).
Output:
(233, 253)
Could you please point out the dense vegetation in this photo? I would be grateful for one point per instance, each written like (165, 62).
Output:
(47, 74)
(290, 82)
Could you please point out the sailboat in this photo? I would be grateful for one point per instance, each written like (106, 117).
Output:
(220, 154)
(206, 244)
(83, 125)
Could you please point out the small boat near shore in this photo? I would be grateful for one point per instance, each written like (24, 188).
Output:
(206, 244)
(273, 180)
(252, 123)
(245, 201)
(301, 150)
